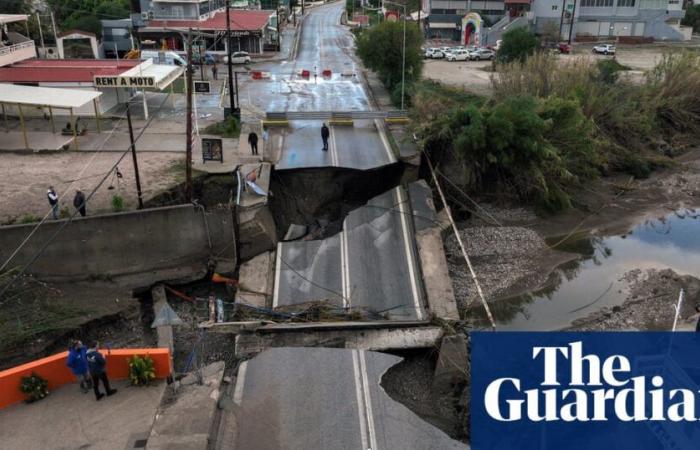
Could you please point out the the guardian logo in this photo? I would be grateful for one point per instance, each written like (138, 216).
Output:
(570, 401)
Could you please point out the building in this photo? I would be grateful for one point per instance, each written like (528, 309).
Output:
(14, 46)
(116, 37)
(445, 16)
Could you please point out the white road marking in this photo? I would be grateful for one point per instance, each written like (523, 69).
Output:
(385, 142)
(368, 401)
(240, 382)
(359, 397)
(344, 269)
(278, 270)
(409, 255)
(333, 149)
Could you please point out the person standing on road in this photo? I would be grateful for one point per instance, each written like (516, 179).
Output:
(214, 71)
(53, 201)
(97, 363)
(77, 361)
(325, 133)
(253, 141)
(79, 202)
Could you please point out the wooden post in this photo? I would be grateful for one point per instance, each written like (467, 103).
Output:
(53, 125)
(22, 125)
(75, 133)
(97, 115)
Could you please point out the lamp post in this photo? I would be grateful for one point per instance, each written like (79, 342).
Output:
(403, 54)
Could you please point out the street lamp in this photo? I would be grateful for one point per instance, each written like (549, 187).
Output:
(403, 54)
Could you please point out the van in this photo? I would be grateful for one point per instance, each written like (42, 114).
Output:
(158, 57)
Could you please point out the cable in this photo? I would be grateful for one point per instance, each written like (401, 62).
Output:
(313, 283)
(70, 219)
(468, 198)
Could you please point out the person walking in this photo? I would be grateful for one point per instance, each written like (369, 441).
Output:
(214, 72)
(53, 201)
(253, 141)
(97, 365)
(325, 133)
(79, 202)
(77, 361)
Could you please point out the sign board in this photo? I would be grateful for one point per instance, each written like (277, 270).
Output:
(212, 150)
(243, 33)
(124, 82)
(361, 19)
(202, 87)
(391, 16)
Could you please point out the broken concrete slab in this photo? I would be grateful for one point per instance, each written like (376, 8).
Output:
(257, 232)
(453, 363)
(256, 279)
(164, 330)
(438, 285)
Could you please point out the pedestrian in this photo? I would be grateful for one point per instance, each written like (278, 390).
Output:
(97, 365)
(325, 132)
(266, 137)
(79, 202)
(214, 71)
(77, 361)
(253, 141)
(53, 201)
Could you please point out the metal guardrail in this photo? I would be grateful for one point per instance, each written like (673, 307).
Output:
(329, 115)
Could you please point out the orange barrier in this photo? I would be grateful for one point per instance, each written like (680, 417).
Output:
(256, 74)
(327, 73)
(305, 73)
(54, 370)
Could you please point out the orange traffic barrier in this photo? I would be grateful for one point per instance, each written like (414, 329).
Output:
(54, 370)
(327, 73)
(256, 74)
(305, 74)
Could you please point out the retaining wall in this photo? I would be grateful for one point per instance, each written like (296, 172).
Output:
(159, 244)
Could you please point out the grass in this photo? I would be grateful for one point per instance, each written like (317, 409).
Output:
(229, 128)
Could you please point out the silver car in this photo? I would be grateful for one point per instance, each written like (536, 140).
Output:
(481, 54)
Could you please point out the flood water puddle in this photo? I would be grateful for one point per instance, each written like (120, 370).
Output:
(593, 281)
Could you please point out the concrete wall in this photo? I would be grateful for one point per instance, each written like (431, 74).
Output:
(137, 248)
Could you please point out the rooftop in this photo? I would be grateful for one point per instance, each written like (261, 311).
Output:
(241, 20)
(63, 70)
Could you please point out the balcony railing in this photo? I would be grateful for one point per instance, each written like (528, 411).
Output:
(16, 52)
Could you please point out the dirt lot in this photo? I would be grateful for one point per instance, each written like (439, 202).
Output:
(24, 179)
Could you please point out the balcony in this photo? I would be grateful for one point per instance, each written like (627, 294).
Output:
(13, 53)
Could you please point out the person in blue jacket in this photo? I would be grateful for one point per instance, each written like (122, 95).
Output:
(77, 361)
(97, 365)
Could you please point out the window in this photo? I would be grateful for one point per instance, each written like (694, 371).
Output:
(626, 3)
(597, 3)
(588, 3)
(653, 4)
(555, 7)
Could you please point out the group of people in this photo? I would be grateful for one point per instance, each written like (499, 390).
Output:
(79, 202)
(89, 367)
(253, 138)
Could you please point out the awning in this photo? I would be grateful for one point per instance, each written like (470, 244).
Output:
(146, 75)
(42, 96)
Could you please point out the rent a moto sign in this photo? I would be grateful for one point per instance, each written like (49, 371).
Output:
(124, 82)
(585, 391)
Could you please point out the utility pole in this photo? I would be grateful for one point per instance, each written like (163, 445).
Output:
(133, 155)
(571, 23)
(279, 46)
(232, 105)
(188, 162)
(41, 34)
(561, 21)
(53, 25)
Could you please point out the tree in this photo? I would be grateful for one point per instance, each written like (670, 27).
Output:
(381, 49)
(86, 14)
(517, 45)
(692, 17)
(15, 7)
(550, 32)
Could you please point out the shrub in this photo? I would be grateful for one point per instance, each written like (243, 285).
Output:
(141, 370)
(34, 387)
(228, 128)
(117, 203)
(517, 44)
(29, 218)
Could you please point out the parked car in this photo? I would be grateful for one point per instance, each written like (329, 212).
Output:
(481, 53)
(604, 49)
(563, 47)
(429, 52)
(238, 58)
(458, 55)
(437, 54)
(207, 60)
(163, 57)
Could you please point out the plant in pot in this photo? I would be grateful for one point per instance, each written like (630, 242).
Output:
(141, 370)
(34, 387)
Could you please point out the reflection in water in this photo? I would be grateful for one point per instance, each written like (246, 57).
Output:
(578, 288)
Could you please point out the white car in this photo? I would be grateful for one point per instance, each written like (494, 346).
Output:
(437, 54)
(605, 49)
(481, 53)
(429, 52)
(458, 55)
(238, 58)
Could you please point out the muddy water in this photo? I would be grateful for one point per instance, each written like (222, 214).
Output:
(595, 280)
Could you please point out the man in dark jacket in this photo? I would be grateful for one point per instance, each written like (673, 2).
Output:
(77, 361)
(79, 202)
(325, 133)
(253, 141)
(97, 363)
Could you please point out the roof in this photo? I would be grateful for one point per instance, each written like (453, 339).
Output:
(241, 20)
(74, 31)
(7, 18)
(163, 75)
(63, 70)
(41, 96)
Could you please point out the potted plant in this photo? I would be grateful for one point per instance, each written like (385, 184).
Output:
(34, 387)
(141, 370)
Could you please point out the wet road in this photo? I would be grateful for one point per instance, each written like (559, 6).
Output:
(318, 398)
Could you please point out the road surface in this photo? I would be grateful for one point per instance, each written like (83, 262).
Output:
(318, 398)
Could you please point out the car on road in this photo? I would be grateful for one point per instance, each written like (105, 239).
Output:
(238, 58)
(434, 53)
(481, 54)
(604, 49)
(458, 55)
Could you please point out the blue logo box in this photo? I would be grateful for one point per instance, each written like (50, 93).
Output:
(561, 391)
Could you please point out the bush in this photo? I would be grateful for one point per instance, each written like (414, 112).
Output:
(517, 44)
(34, 387)
(608, 70)
(141, 370)
(117, 203)
(29, 218)
(228, 128)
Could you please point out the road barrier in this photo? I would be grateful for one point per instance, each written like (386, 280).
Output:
(328, 115)
(327, 73)
(305, 73)
(54, 370)
(256, 74)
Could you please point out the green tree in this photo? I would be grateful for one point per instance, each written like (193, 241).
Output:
(86, 14)
(518, 44)
(15, 7)
(381, 49)
(692, 17)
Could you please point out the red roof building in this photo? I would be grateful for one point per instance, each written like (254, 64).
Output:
(241, 20)
(63, 70)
